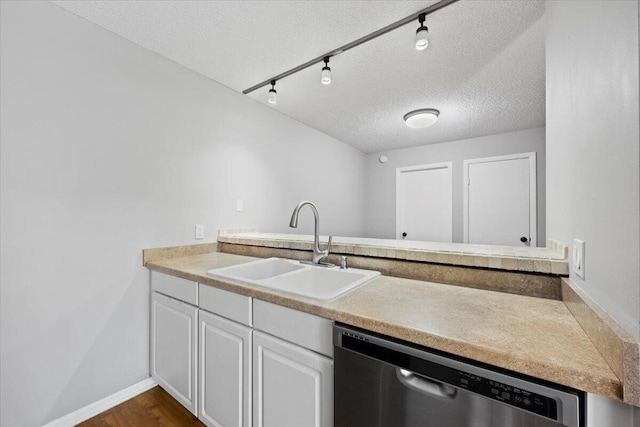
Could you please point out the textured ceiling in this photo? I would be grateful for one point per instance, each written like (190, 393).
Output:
(483, 69)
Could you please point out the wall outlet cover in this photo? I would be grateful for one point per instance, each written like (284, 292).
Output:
(199, 231)
(577, 257)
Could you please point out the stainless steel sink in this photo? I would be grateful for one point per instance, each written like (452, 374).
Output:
(320, 283)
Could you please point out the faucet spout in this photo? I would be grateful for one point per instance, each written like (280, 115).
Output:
(318, 255)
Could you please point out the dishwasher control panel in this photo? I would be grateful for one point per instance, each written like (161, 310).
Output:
(518, 397)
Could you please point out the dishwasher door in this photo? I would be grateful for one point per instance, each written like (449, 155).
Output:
(380, 383)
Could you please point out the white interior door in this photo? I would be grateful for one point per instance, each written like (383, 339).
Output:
(500, 200)
(424, 203)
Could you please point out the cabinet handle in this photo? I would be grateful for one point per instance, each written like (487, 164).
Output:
(425, 385)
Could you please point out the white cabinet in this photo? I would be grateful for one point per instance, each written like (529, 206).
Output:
(174, 338)
(303, 329)
(206, 354)
(175, 287)
(292, 375)
(225, 372)
(292, 386)
(226, 304)
(602, 411)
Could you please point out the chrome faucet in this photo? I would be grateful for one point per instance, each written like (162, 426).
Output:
(318, 255)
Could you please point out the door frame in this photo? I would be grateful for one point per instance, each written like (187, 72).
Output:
(533, 192)
(442, 165)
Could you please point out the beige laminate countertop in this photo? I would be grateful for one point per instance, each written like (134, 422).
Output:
(532, 336)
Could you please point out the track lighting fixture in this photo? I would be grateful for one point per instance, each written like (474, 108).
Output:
(421, 34)
(326, 72)
(273, 94)
(421, 43)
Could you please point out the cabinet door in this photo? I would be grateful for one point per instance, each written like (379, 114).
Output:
(225, 372)
(174, 348)
(292, 386)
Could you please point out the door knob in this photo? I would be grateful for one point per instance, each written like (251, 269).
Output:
(404, 235)
(524, 239)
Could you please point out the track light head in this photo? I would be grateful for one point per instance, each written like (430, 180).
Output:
(326, 72)
(422, 40)
(273, 94)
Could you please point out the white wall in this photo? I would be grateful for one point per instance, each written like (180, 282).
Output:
(106, 149)
(380, 220)
(593, 146)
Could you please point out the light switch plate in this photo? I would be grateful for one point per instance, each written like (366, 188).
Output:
(199, 231)
(577, 257)
(239, 205)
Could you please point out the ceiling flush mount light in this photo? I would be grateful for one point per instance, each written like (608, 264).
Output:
(422, 118)
(326, 72)
(422, 41)
(273, 94)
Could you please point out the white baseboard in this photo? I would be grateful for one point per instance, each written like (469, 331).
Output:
(102, 405)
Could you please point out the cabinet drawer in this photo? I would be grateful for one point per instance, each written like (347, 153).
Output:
(175, 287)
(226, 304)
(300, 328)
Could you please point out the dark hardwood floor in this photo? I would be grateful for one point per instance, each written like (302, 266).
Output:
(151, 408)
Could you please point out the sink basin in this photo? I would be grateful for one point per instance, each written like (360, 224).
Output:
(320, 283)
(257, 270)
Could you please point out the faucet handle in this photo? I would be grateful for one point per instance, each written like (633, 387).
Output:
(329, 244)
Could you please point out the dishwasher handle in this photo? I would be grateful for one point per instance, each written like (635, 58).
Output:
(425, 385)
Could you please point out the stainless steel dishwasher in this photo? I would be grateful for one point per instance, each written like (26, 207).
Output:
(381, 382)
